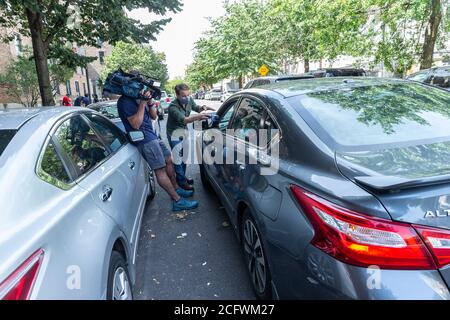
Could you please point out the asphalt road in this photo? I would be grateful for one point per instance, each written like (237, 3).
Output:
(192, 255)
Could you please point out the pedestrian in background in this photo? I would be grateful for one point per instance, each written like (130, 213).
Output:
(67, 102)
(179, 117)
(86, 100)
(78, 101)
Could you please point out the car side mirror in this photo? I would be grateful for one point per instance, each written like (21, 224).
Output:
(136, 136)
(211, 123)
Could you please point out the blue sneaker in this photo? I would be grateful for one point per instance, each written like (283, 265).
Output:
(185, 193)
(184, 204)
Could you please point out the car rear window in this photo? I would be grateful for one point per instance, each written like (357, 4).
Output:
(110, 111)
(372, 115)
(5, 138)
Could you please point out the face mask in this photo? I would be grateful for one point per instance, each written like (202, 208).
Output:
(184, 100)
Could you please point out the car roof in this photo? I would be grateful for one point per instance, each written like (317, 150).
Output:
(299, 87)
(285, 77)
(13, 119)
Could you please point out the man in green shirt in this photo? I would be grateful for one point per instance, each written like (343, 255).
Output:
(179, 117)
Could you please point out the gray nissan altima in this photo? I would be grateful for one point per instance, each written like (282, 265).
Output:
(73, 192)
(356, 204)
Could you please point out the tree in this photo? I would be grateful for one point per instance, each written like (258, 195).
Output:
(431, 34)
(171, 84)
(203, 71)
(133, 56)
(55, 26)
(21, 80)
(236, 46)
(406, 32)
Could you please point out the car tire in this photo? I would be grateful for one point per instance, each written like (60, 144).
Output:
(119, 285)
(255, 257)
(204, 177)
(152, 184)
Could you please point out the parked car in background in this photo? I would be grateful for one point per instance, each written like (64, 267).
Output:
(227, 93)
(262, 81)
(73, 195)
(338, 72)
(165, 101)
(360, 187)
(109, 110)
(214, 94)
(439, 77)
(200, 95)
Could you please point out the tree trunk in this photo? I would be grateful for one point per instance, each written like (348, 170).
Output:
(426, 61)
(241, 82)
(306, 65)
(40, 52)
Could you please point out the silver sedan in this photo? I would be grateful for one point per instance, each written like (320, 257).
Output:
(73, 190)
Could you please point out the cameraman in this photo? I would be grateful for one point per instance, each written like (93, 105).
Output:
(134, 117)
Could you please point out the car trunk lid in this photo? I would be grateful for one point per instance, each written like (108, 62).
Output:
(412, 182)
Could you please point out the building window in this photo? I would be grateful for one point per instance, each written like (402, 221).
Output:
(77, 87)
(101, 57)
(84, 89)
(56, 89)
(94, 86)
(19, 45)
(68, 88)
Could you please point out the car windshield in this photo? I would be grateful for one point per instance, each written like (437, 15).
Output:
(110, 111)
(5, 138)
(391, 113)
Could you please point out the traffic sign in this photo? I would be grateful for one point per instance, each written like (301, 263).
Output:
(264, 70)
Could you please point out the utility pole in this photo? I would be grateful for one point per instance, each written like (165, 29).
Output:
(88, 82)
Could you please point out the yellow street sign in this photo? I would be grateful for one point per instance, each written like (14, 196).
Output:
(264, 70)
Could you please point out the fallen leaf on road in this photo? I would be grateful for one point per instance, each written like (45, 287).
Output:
(204, 263)
(183, 235)
(156, 281)
(199, 234)
(182, 216)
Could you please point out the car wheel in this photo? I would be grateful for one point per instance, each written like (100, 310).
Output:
(203, 176)
(119, 285)
(151, 184)
(255, 257)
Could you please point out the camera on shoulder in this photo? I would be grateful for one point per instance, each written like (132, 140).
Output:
(134, 85)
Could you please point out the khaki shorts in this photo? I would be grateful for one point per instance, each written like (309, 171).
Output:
(155, 153)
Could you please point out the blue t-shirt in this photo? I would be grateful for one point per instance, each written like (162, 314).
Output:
(128, 107)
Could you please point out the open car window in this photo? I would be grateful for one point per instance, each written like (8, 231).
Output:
(81, 144)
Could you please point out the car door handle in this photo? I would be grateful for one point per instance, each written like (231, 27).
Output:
(132, 165)
(106, 194)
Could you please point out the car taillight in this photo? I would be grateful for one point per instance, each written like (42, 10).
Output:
(19, 284)
(438, 241)
(362, 240)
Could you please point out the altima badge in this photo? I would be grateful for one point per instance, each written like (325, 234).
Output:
(437, 214)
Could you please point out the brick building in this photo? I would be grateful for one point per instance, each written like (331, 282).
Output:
(84, 80)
